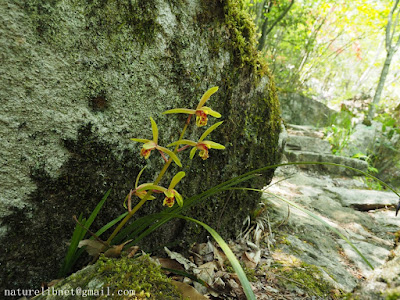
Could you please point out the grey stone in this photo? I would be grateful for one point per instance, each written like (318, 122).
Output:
(303, 156)
(362, 139)
(364, 199)
(307, 144)
(301, 110)
(313, 242)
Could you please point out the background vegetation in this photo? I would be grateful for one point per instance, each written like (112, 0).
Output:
(343, 54)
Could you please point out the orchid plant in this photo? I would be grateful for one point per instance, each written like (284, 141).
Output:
(145, 191)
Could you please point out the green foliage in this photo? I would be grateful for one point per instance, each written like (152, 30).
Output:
(339, 132)
(79, 233)
(332, 48)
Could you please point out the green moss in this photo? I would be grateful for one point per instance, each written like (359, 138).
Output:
(306, 277)
(123, 278)
(140, 275)
(393, 296)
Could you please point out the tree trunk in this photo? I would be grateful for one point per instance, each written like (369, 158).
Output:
(391, 50)
(265, 30)
(381, 84)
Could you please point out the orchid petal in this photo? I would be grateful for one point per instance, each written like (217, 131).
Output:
(179, 199)
(155, 130)
(150, 145)
(150, 186)
(214, 145)
(206, 96)
(210, 112)
(138, 177)
(178, 177)
(141, 140)
(171, 154)
(180, 111)
(180, 142)
(169, 193)
(209, 130)
(193, 152)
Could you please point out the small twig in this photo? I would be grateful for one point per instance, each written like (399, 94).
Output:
(188, 120)
(183, 148)
(130, 200)
(163, 156)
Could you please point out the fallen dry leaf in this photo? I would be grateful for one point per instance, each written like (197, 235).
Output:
(169, 263)
(188, 291)
(132, 251)
(94, 248)
(187, 264)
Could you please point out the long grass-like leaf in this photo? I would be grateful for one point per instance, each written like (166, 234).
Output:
(69, 258)
(78, 235)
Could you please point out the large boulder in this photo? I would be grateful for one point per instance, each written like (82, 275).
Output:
(80, 78)
(301, 110)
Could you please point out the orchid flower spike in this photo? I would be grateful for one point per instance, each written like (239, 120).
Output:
(201, 111)
(150, 145)
(201, 145)
(170, 194)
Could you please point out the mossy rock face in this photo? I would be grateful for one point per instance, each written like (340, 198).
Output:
(81, 78)
(124, 278)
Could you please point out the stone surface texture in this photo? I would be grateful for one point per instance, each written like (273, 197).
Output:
(344, 202)
(301, 110)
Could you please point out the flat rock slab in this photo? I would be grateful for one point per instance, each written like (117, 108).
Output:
(302, 156)
(364, 200)
(307, 143)
(386, 217)
(314, 243)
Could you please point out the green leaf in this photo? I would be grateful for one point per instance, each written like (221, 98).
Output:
(78, 235)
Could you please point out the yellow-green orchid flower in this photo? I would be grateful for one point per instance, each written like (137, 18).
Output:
(201, 145)
(170, 193)
(150, 145)
(135, 192)
(201, 111)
